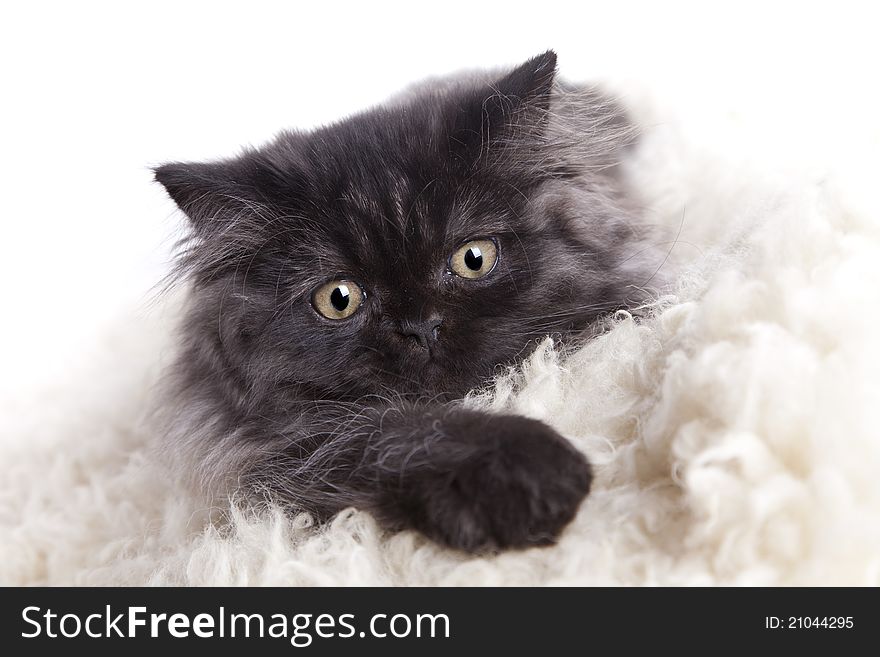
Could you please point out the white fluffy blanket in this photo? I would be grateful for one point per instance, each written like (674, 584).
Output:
(734, 433)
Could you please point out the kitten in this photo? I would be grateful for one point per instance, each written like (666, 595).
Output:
(350, 285)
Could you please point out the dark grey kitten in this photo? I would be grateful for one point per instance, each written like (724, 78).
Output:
(351, 284)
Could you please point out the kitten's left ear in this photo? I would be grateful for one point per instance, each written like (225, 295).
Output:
(525, 88)
(506, 110)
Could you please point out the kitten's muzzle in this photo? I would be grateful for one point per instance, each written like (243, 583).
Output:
(424, 332)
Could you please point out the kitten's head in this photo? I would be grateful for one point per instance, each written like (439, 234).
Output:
(410, 248)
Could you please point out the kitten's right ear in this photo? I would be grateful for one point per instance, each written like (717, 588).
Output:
(209, 193)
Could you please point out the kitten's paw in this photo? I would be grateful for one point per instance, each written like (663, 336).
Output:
(519, 486)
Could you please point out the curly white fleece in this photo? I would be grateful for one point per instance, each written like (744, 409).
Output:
(734, 432)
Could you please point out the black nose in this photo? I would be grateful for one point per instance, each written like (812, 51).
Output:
(424, 332)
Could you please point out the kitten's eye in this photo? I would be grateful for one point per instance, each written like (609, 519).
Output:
(474, 259)
(338, 299)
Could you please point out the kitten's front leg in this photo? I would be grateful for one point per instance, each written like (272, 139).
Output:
(473, 480)
(467, 479)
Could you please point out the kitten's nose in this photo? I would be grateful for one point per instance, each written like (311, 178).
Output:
(424, 332)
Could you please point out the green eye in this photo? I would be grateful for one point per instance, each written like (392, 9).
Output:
(474, 259)
(338, 299)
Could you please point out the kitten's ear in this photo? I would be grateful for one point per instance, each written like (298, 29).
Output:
(209, 193)
(508, 108)
(525, 88)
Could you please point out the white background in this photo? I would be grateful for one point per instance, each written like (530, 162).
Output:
(92, 94)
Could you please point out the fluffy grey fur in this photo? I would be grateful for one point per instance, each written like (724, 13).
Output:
(271, 400)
